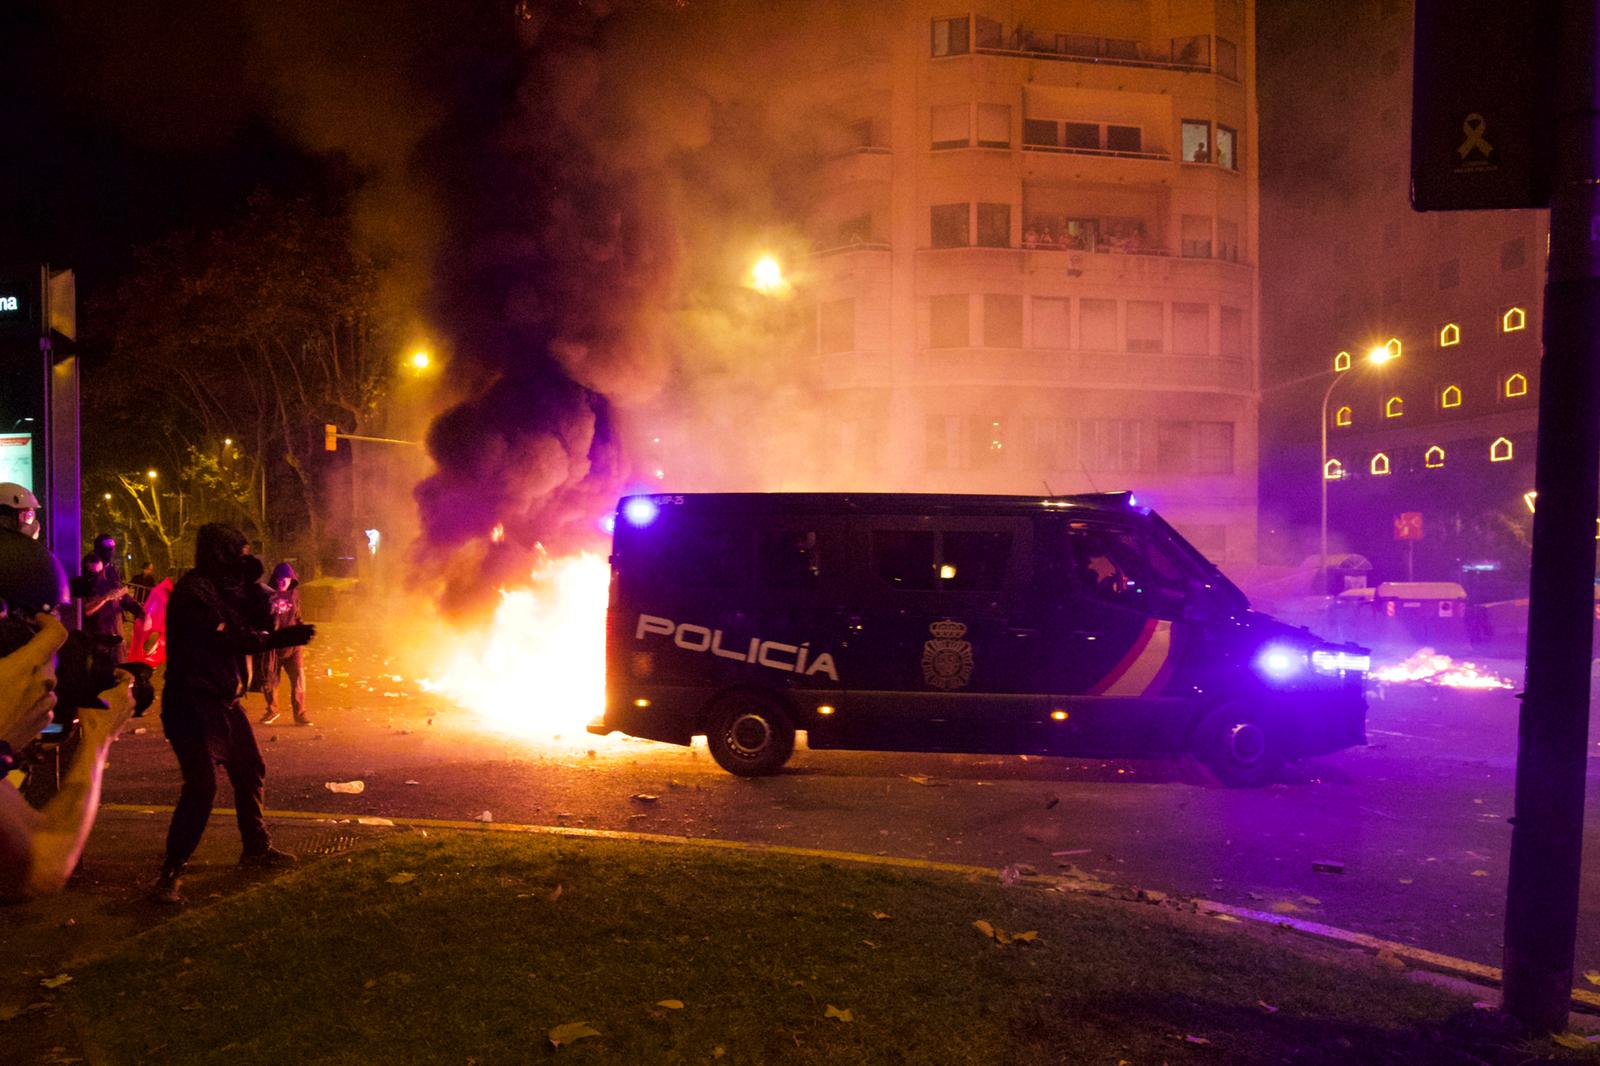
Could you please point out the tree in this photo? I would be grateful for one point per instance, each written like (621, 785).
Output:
(257, 333)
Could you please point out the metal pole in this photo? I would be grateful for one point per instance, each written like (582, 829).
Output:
(1547, 834)
(1322, 481)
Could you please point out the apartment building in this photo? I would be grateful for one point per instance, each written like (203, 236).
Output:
(1445, 431)
(1036, 254)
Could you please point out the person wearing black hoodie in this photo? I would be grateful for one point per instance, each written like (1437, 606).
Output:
(218, 616)
(284, 605)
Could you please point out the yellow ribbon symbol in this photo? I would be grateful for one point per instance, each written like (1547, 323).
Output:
(1473, 128)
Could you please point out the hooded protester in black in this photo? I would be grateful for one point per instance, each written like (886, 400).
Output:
(218, 616)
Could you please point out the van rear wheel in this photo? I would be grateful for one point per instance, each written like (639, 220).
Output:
(750, 735)
(1240, 745)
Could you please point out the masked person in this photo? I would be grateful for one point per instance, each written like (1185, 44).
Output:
(217, 617)
(284, 605)
(19, 509)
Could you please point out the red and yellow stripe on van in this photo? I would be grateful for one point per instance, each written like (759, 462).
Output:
(1144, 670)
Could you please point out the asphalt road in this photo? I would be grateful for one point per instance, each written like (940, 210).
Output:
(1417, 819)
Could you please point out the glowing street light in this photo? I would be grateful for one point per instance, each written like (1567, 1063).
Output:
(766, 276)
(151, 474)
(227, 442)
(420, 360)
(108, 496)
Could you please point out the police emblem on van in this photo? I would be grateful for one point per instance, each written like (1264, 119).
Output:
(947, 659)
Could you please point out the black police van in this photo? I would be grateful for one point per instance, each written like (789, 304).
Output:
(1065, 625)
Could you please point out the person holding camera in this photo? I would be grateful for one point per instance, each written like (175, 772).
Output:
(218, 616)
(39, 849)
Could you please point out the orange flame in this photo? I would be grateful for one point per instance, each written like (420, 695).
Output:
(1430, 667)
(538, 669)
(498, 533)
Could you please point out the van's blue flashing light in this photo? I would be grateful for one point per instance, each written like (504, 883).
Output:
(640, 511)
(608, 524)
(1279, 662)
(1133, 501)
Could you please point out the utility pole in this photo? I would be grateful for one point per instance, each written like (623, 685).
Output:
(1552, 736)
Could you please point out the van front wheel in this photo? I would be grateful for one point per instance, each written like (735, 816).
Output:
(750, 735)
(1240, 746)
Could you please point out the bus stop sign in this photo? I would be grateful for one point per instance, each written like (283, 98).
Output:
(1481, 96)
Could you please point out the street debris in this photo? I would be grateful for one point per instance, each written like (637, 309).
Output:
(883, 916)
(845, 1016)
(1327, 866)
(484, 817)
(644, 797)
(570, 1033)
(374, 821)
(413, 782)
(348, 788)
(1480, 873)
(670, 1004)
(405, 877)
(1000, 937)
(1050, 802)
(1015, 872)
(1070, 851)
(1192, 1039)
(57, 981)
(1266, 1007)
(1390, 961)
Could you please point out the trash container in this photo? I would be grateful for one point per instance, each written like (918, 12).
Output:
(1418, 613)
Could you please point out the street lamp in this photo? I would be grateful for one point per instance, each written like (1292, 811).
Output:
(151, 474)
(766, 277)
(420, 360)
(1378, 356)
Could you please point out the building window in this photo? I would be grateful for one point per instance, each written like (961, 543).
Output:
(861, 135)
(1513, 254)
(1227, 59)
(1433, 459)
(1394, 408)
(949, 225)
(1175, 447)
(1227, 240)
(1227, 148)
(1080, 135)
(950, 125)
(1192, 51)
(1343, 416)
(1232, 332)
(1052, 323)
(1002, 320)
(1450, 397)
(1379, 465)
(1145, 326)
(1041, 133)
(1215, 451)
(1191, 329)
(837, 326)
(1195, 236)
(950, 37)
(1097, 324)
(985, 32)
(947, 321)
(1341, 362)
(1196, 141)
(1515, 318)
(1449, 335)
(987, 442)
(1449, 273)
(1055, 444)
(1500, 450)
(1332, 470)
(1111, 444)
(994, 225)
(1394, 347)
(1516, 385)
(1124, 139)
(994, 126)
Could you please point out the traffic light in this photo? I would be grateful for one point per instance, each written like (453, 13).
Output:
(330, 437)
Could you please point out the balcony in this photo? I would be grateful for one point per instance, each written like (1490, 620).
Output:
(1154, 372)
(866, 163)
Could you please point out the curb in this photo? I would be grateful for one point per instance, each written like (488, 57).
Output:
(1420, 958)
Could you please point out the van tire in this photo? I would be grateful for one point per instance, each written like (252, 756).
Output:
(749, 734)
(1241, 745)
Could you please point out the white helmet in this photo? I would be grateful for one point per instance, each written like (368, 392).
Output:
(19, 509)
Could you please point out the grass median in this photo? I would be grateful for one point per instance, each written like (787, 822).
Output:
(474, 948)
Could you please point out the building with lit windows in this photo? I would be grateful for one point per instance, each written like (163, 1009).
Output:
(1036, 253)
(1447, 429)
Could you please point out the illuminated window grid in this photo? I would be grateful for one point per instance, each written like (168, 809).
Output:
(1394, 407)
(1450, 396)
(1333, 470)
(1343, 416)
(1379, 465)
(1515, 318)
(1433, 459)
(1516, 385)
(1341, 362)
(1500, 450)
(1449, 335)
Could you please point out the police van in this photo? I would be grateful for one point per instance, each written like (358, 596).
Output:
(1062, 625)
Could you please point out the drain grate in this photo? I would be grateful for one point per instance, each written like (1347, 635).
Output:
(330, 843)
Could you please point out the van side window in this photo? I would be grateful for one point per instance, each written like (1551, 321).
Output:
(791, 559)
(694, 557)
(1120, 566)
(974, 562)
(904, 559)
